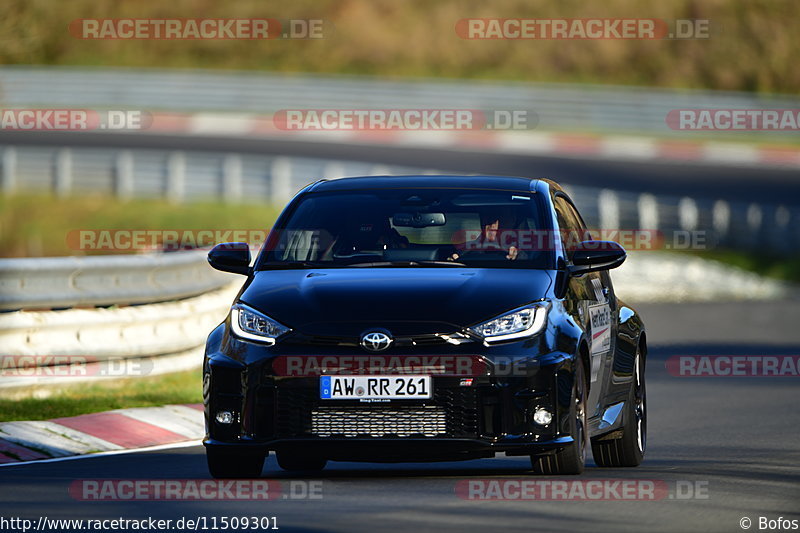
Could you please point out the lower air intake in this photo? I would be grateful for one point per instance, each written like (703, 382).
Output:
(427, 421)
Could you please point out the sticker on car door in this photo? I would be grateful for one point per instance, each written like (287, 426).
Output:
(600, 328)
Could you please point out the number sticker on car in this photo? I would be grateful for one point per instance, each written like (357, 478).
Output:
(600, 318)
(374, 387)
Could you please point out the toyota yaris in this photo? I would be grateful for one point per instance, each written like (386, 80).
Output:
(425, 318)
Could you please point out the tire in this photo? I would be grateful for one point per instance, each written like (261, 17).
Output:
(627, 449)
(294, 461)
(572, 459)
(230, 464)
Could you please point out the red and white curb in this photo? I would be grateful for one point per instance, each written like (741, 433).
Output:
(576, 145)
(121, 429)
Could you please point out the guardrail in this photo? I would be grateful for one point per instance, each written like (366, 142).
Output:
(558, 106)
(174, 175)
(56, 348)
(64, 282)
(682, 223)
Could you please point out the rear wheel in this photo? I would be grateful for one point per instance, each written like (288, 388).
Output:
(629, 443)
(570, 460)
(230, 464)
(296, 461)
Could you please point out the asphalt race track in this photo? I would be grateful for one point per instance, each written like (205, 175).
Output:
(731, 441)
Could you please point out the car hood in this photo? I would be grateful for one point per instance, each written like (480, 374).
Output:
(404, 300)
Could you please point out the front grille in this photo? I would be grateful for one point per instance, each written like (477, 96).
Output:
(427, 340)
(399, 342)
(319, 340)
(299, 412)
(427, 421)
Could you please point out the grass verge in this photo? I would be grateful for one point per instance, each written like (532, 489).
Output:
(762, 263)
(176, 388)
(37, 225)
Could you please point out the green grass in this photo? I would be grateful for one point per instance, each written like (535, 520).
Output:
(42, 225)
(752, 46)
(763, 263)
(78, 399)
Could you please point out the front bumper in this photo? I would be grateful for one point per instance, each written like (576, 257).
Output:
(493, 413)
(391, 450)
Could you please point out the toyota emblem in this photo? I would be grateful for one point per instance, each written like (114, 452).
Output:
(375, 341)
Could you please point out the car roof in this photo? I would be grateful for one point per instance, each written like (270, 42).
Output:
(506, 183)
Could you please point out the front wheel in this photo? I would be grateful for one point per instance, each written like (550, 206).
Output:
(230, 464)
(572, 459)
(627, 446)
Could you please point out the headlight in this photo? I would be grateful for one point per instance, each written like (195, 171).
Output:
(523, 322)
(248, 323)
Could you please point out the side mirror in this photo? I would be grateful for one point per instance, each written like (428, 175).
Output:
(592, 256)
(231, 257)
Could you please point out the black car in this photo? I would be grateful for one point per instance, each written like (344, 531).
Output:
(425, 318)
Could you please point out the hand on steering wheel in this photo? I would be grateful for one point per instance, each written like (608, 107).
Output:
(512, 254)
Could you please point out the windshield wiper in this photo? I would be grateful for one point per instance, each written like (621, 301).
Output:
(293, 264)
(424, 263)
(442, 263)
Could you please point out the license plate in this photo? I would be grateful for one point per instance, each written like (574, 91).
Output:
(374, 387)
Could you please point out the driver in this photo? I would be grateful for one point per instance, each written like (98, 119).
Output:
(494, 222)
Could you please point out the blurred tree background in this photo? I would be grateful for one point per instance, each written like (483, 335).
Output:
(753, 44)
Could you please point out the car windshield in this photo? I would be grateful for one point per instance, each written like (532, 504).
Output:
(410, 228)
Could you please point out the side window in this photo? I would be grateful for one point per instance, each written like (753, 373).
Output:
(599, 280)
(572, 228)
(565, 221)
(573, 231)
(575, 216)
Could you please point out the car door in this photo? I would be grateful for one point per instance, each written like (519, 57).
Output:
(596, 305)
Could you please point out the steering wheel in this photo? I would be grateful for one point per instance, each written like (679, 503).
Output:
(489, 255)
